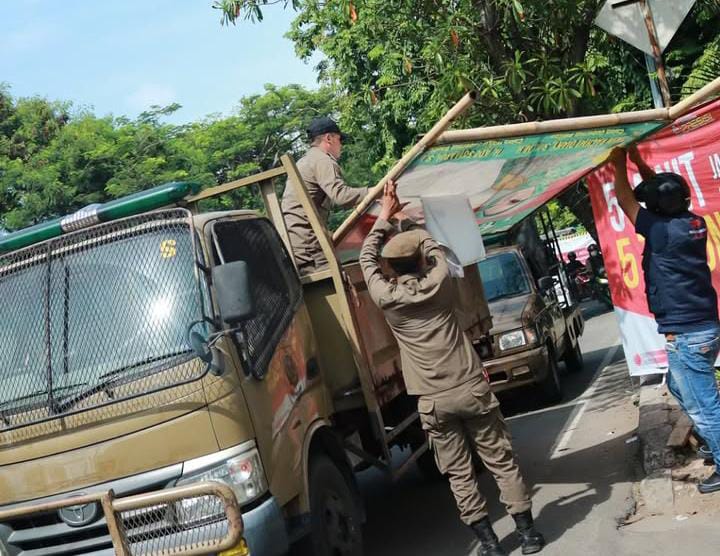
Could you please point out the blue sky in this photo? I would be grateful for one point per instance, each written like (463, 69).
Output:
(121, 56)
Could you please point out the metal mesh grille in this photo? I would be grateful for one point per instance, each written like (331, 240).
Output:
(274, 284)
(202, 518)
(97, 316)
(193, 523)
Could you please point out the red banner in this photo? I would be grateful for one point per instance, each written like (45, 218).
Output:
(688, 147)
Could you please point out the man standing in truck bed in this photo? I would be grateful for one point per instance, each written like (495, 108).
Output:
(321, 173)
(439, 363)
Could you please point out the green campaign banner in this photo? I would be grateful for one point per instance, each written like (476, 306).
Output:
(504, 179)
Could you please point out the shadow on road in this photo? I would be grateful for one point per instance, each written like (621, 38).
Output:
(522, 400)
(417, 517)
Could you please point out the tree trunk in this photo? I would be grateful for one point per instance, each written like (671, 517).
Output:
(577, 200)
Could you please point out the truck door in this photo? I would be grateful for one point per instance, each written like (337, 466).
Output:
(275, 350)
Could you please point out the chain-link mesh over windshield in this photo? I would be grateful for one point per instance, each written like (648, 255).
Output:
(274, 285)
(97, 317)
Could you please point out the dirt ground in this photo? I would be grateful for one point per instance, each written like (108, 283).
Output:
(687, 500)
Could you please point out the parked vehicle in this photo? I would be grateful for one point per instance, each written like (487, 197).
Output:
(146, 344)
(536, 324)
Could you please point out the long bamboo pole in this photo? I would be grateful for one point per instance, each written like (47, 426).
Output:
(552, 126)
(584, 122)
(685, 105)
(427, 140)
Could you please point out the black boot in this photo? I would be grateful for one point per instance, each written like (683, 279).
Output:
(489, 543)
(530, 540)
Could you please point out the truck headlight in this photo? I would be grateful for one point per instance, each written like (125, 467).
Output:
(512, 340)
(244, 474)
(517, 338)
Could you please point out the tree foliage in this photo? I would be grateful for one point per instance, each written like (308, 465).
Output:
(397, 66)
(54, 161)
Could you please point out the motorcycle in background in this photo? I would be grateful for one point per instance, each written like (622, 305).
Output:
(601, 288)
(589, 285)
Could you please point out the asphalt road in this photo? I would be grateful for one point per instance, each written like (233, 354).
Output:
(578, 457)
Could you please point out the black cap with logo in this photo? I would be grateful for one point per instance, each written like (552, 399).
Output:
(320, 126)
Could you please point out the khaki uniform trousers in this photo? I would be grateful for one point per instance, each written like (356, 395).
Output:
(467, 419)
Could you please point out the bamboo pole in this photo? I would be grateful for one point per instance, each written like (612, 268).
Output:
(685, 105)
(552, 126)
(427, 140)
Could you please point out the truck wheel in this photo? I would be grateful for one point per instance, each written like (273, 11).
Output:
(550, 386)
(574, 359)
(334, 517)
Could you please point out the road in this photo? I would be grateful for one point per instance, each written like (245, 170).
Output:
(578, 457)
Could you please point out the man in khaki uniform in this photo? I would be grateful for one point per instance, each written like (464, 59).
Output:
(440, 365)
(321, 173)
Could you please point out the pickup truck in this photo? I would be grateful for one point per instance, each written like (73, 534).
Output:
(532, 330)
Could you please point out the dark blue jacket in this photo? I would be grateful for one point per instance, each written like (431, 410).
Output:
(677, 278)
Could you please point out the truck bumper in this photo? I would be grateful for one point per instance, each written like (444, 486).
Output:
(265, 531)
(518, 369)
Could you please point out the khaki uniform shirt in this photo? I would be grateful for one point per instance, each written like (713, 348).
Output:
(327, 188)
(436, 353)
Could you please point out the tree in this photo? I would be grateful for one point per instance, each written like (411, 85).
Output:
(54, 161)
(398, 65)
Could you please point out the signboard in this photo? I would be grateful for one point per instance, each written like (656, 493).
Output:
(627, 21)
(505, 179)
(688, 147)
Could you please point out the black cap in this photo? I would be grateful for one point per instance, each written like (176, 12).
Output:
(665, 193)
(319, 126)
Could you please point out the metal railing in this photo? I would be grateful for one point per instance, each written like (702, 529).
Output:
(195, 519)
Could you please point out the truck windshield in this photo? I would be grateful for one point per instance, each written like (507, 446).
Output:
(84, 315)
(503, 275)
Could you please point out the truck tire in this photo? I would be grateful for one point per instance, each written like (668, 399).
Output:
(550, 386)
(335, 520)
(574, 358)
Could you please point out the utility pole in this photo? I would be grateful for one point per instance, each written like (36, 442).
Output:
(657, 53)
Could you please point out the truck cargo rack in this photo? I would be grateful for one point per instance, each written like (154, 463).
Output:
(266, 183)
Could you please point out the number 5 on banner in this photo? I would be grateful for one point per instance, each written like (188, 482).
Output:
(617, 216)
(627, 260)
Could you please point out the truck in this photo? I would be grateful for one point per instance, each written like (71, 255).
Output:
(150, 343)
(536, 323)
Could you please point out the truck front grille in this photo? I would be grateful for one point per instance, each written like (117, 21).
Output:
(47, 534)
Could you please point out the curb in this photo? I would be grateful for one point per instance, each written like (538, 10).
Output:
(659, 412)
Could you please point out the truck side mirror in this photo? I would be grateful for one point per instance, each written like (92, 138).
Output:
(545, 284)
(232, 286)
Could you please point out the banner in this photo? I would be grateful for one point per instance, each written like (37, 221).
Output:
(688, 147)
(504, 179)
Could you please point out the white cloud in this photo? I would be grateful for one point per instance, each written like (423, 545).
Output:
(151, 94)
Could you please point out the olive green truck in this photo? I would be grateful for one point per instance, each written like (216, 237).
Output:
(148, 345)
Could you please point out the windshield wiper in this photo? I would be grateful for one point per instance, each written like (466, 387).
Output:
(20, 407)
(114, 378)
(146, 361)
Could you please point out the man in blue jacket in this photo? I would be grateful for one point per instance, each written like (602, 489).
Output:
(679, 291)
